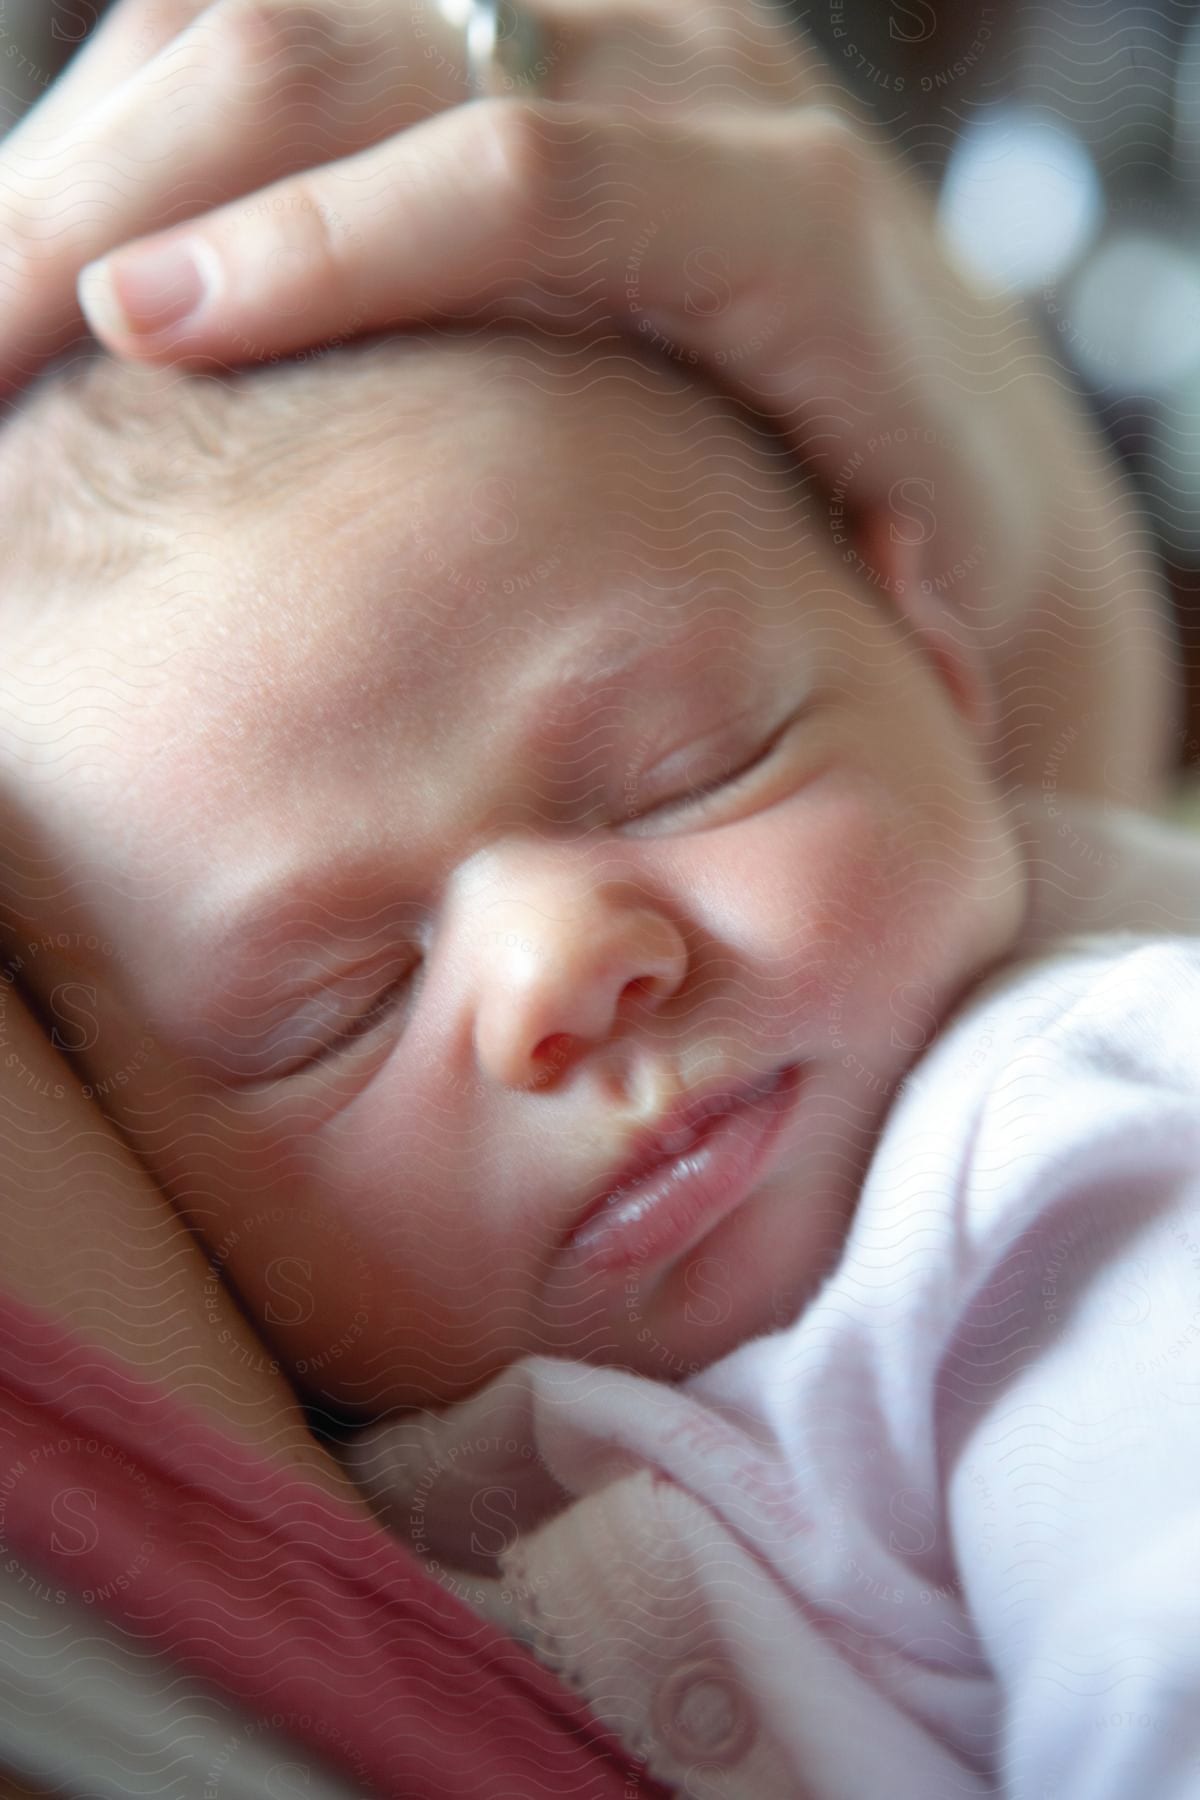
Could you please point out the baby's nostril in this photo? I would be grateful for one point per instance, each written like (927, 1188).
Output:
(552, 1052)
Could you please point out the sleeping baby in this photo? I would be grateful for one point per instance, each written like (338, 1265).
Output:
(558, 939)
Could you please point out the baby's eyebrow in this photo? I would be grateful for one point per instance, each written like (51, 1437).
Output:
(622, 667)
(253, 928)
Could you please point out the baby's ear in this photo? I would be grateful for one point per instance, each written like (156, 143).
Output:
(894, 546)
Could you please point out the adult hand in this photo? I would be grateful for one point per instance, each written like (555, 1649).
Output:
(175, 106)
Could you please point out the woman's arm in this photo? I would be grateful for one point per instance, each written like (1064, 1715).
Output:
(91, 1241)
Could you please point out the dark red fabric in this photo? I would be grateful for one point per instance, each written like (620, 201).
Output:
(113, 1493)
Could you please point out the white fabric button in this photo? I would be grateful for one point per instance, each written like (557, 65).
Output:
(701, 1714)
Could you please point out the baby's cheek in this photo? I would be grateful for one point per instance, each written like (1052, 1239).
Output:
(872, 925)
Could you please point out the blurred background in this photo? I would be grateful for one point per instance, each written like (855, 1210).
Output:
(1062, 139)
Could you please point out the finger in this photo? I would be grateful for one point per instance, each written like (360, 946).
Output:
(251, 90)
(123, 42)
(677, 55)
(504, 202)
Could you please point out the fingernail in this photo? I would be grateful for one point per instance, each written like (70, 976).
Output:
(142, 293)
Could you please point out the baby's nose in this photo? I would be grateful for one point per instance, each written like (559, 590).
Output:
(569, 963)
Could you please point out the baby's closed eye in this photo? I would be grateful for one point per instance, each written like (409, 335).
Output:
(707, 771)
(328, 1022)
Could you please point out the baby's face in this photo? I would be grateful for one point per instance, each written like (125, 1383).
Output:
(510, 778)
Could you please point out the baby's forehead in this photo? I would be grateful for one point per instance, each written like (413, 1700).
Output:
(436, 488)
(414, 530)
(500, 432)
(441, 583)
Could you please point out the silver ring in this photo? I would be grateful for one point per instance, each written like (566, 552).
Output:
(506, 48)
